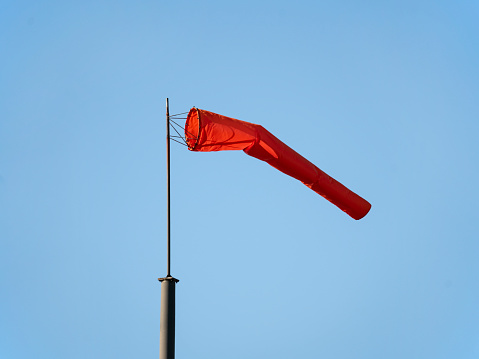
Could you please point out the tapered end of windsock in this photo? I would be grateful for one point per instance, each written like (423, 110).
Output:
(362, 211)
(365, 212)
(341, 196)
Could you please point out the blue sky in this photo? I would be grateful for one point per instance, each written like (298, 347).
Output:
(383, 96)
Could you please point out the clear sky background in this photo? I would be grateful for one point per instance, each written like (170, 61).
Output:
(381, 95)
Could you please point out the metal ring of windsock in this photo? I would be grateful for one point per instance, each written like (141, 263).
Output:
(207, 131)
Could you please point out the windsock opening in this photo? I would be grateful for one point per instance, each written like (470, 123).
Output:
(192, 128)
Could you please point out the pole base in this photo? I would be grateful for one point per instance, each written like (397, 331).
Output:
(167, 317)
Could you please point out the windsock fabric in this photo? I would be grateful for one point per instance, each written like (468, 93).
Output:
(207, 131)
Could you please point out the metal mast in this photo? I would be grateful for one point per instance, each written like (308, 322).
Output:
(168, 283)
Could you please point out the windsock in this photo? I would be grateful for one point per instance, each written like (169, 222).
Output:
(207, 131)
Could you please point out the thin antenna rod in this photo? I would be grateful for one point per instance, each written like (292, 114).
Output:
(167, 310)
(168, 186)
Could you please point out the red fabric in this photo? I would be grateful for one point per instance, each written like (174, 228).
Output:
(207, 131)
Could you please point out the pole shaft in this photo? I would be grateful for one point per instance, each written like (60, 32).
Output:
(167, 318)
(168, 186)
(167, 310)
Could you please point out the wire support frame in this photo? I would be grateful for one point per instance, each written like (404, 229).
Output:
(179, 135)
(183, 138)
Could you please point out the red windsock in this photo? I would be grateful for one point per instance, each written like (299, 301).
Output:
(207, 131)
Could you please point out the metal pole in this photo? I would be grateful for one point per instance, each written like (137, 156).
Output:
(167, 310)
(167, 318)
(168, 186)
